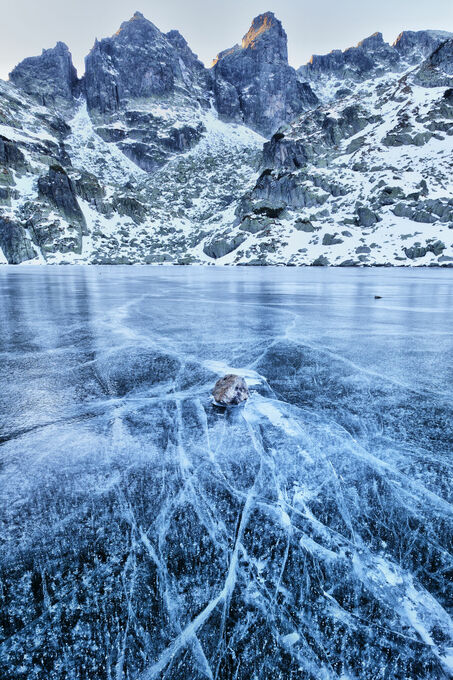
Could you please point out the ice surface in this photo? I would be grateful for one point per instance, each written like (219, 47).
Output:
(147, 534)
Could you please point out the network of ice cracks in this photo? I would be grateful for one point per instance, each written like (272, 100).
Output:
(149, 534)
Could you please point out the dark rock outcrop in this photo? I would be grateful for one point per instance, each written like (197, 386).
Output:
(138, 61)
(319, 133)
(285, 189)
(290, 154)
(370, 55)
(437, 70)
(14, 242)
(10, 154)
(57, 188)
(89, 189)
(254, 83)
(51, 78)
(416, 45)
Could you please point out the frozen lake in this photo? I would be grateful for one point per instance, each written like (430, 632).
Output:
(148, 534)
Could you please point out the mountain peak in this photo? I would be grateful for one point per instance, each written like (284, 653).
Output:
(413, 44)
(60, 48)
(266, 33)
(260, 25)
(48, 76)
(373, 41)
(136, 25)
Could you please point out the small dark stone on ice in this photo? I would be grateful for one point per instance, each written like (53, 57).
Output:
(230, 390)
(378, 297)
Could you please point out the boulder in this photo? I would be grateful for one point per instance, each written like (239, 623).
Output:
(366, 217)
(403, 210)
(222, 246)
(304, 225)
(390, 195)
(230, 390)
(253, 225)
(321, 261)
(416, 251)
(331, 240)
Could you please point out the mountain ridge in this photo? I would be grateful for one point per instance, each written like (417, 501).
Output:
(150, 157)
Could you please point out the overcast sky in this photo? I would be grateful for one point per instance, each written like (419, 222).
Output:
(313, 26)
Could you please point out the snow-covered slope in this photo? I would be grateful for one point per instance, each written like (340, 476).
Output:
(364, 180)
(112, 169)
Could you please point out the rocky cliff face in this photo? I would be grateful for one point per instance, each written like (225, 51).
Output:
(153, 158)
(414, 46)
(331, 74)
(437, 69)
(356, 63)
(253, 82)
(141, 86)
(51, 78)
(139, 62)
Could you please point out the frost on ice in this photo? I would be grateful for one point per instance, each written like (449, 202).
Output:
(146, 534)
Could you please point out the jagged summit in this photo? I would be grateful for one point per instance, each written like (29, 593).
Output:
(373, 41)
(138, 23)
(50, 77)
(372, 56)
(138, 61)
(60, 48)
(253, 82)
(412, 45)
(267, 31)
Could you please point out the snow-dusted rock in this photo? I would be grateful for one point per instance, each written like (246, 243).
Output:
(51, 78)
(437, 70)
(416, 45)
(15, 242)
(254, 82)
(139, 62)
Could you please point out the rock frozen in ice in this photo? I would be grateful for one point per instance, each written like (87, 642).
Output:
(230, 390)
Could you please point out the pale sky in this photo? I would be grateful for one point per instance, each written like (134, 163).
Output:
(313, 26)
